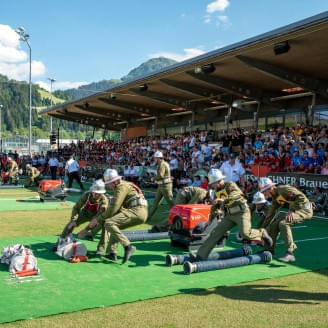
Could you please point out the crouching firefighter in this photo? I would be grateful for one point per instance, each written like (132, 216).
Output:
(33, 176)
(259, 208)
(232, 201)
(300, 209)
(191, 195)
(128, 208)
(91, 205)
(13, 171)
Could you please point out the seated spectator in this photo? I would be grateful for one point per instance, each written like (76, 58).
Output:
(324, 170)
(296, 159)
(306, 160)
(204, 184)
(197, 182)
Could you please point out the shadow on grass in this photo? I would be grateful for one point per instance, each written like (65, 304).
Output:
(262, 293)
(145, 260)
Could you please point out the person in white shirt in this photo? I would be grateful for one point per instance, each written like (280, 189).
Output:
(72, 170)
(53, 164)
(233, 170)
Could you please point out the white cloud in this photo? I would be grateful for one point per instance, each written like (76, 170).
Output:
(188, 53)
(20, 71)
(60, 85)
(217, 5)
(223, 19)
(207, 19)
(14, 61)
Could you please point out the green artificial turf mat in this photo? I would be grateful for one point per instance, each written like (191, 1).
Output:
(99, 282)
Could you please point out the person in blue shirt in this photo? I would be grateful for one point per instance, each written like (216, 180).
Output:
(306, 160)
(258, 143)
(197, 181)
(296, 159)
(317, 160)
(321, 150)
(249, 159)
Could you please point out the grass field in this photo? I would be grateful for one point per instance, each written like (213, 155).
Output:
(291, 301)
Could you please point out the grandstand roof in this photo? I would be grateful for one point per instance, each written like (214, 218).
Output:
(201, 89)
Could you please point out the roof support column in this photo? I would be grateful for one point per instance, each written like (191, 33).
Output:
(227, 118)
(256, 116)
(310, 111)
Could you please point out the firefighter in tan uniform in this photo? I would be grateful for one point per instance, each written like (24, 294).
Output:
(164, 189)
(260, 208)
(231, 200)
(33, 176)
(91, 205)
(300, 209)
(191, 195)
(13, 171)
(128, 208)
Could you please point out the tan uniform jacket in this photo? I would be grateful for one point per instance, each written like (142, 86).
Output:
(12, 166)
(81, 205)
(288, 195)
(163, 173)
(125, 195)
(33, 172)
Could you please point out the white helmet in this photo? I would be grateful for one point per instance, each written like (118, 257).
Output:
(98, 187)
(110, 176)
(28, 166)
(158, 154)
(259, 198)
(9, 159)
(265, 184)
(215, 175)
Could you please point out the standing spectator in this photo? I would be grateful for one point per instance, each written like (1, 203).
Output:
(207, 151)
(233, 170)
(53, 164)
(72, 169)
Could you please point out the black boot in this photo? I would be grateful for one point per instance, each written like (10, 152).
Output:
(128, 251)
(88, 237)
(111, 256)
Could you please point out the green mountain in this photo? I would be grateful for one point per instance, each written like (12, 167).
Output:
(15, 100)
(147, 67)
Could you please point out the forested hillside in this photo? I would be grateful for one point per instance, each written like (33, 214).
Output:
(15, 111)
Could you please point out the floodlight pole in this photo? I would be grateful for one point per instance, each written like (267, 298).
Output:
(51, 81)
(30, 102)
(0, 128)
(23, 36)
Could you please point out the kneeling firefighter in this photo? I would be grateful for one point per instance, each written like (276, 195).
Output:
(128, 208)
(92, 205)
(34, 176)
(13, 171)
(232, 201)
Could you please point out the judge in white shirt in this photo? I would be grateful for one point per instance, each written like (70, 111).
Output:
(72, 170)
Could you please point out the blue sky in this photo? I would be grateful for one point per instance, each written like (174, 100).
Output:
(79, 41)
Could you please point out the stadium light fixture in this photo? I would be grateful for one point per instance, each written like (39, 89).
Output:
(23, 36)
(281, 48)
(143, 87)
(206, 69)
